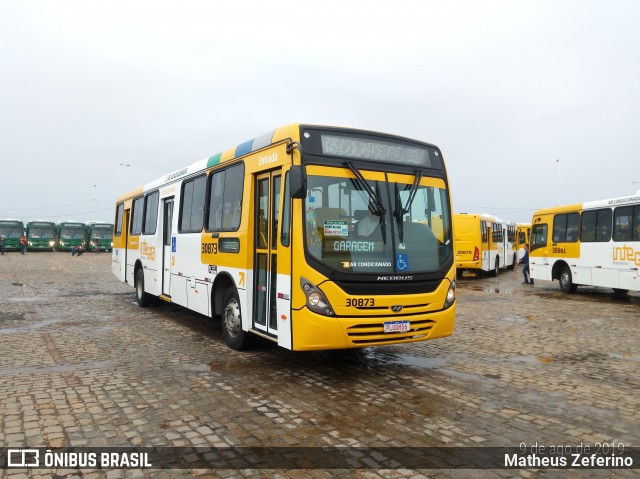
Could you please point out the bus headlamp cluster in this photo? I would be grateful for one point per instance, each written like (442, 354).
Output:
(451, 295)
(316, 300)
(51, 243)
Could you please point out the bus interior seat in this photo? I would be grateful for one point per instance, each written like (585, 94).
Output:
(366, 223)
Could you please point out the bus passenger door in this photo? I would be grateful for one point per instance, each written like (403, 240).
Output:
(265, 269)
(125, 232)
(167, 219)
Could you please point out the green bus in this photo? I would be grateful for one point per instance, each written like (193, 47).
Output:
(12, 230)
(99, 235)
(71, 234)
(41, 235)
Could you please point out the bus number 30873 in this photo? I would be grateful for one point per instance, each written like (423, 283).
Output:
(360, 302)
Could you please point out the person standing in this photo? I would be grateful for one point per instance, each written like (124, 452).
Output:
(23, 244)
(525, 266)
(2, 244)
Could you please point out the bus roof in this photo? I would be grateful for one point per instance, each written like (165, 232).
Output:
(242, 149)
(71, 223)
(482, 216)
(290, 131)
(41, 222)
(620, 201)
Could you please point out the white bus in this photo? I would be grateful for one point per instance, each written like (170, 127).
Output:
(311, 237)
(592, 244)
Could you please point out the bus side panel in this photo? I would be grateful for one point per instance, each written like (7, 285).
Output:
(150, 256)
(629, 279)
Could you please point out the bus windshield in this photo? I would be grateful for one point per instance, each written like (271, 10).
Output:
(71, 232)
(101, 233)
(397, 224)
(43, 232)
(11, 231)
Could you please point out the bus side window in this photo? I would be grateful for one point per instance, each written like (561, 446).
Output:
(119, 212)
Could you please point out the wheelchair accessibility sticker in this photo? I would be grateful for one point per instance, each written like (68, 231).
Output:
(402, 261)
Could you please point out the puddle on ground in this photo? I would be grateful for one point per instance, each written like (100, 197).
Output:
(493, 289)
(514, 319)
(11, 316)
(27, 300)
(400, 359)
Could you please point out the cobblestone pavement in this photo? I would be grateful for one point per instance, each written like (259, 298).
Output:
(82, 365)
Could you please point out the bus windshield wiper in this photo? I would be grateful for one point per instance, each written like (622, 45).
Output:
(375, 206)
(360, 181)
(399, 210)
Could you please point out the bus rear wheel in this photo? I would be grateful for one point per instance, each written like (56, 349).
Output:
(496, 268)
(232, 331)
(512, 265)
(566, 281)
(142, 297)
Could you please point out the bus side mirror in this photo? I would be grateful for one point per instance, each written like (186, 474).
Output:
(298, 182)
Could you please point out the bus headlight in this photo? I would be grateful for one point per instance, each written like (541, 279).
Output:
(51, 243)
(316, 300)
(451, 295)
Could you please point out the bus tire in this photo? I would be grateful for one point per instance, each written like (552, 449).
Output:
(142, 297)
(566, 281)
(232, 331)
(512, 265)
(496, 268)
(620, 292)
(459, 273)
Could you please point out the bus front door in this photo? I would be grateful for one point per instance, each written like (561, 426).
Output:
(265, 269)
(167, 218)
(125, 232)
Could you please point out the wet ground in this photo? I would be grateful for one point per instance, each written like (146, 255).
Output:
(82, 365)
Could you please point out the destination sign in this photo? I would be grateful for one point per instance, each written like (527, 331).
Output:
(378, 150)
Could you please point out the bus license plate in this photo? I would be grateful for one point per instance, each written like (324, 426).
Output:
(397, 326)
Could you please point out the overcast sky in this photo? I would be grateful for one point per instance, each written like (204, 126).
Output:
(99, 97)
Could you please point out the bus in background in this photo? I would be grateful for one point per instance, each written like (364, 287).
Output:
(311, 237)
(100, 236)
(592, 244)
(483, 244)
(523, 230)
(12, 230)
(41, 235)
(71, 234)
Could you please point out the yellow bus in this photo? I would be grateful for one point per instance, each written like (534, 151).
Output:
(592, 244)
(483, 244)
(312, 237)
(523, 230)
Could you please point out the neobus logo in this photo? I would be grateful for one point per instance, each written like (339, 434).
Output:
(626, 253)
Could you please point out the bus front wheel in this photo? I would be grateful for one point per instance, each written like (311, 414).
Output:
(232, 331)
(566, 281)
(143, 298)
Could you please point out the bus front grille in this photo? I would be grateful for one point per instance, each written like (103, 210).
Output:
(368, 289)
(373, 333)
